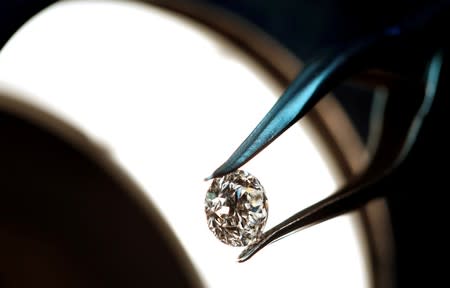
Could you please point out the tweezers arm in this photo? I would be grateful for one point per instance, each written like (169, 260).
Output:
(374, 183)
(347, 199)
(312, 84)
(390, 49)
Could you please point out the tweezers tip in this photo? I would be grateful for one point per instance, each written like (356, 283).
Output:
(209, 177)
(248, 252)
(215, 174)
(242, 259)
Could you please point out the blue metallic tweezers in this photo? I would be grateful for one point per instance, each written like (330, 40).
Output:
(389, 53)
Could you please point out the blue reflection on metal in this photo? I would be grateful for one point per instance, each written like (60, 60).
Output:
(432, 80)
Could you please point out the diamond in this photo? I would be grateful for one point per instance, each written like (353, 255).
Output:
(236, 208)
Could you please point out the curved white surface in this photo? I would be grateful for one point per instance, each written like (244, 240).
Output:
(171, 101)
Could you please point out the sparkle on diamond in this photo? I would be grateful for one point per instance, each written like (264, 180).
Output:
(236, 208)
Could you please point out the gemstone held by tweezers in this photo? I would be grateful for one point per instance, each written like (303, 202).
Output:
(236, 208)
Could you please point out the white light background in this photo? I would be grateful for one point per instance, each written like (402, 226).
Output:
(171, 100)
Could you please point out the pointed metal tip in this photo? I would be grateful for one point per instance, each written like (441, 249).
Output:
(244, 256)
(209, 177)
(222, 171)
(249, 252)
(216, 174)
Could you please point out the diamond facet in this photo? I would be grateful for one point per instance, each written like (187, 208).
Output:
(236, 208)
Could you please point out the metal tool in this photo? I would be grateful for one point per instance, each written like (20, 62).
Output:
(408, 57)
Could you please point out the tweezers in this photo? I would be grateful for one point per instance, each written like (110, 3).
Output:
(406, 59)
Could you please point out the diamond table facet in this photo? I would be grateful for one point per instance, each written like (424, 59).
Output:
(236, 208)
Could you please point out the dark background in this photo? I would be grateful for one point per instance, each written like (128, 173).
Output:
(306, 28)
